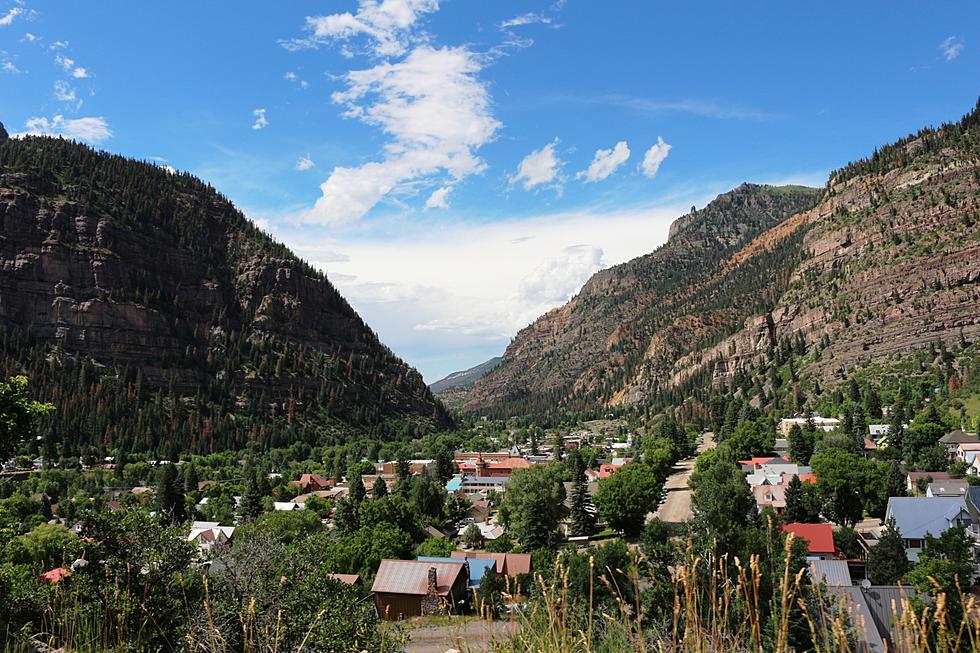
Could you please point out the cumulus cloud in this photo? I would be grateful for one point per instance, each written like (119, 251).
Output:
(556, 279)
(654, 157)
(91, 130)
(10, 67)
(951, 47)
(261, 122)
(538, 168)
(436, 112)
(304, 163)
(9, 17)
(63, 92)
(437, 200)
(293, 77)
(606, 162)
(388, 24)
(79, 73)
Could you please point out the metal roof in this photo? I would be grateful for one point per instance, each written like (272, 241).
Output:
(916, 516)
(834, 573)
(412, 576)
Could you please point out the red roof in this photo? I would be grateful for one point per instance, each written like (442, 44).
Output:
(755, 461)
(508, 564)
(808, 478)
(55, 575)
(347, 579)
(412, 576)
(819, 537)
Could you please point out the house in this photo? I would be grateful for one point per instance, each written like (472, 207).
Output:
(414, 588)
(913, 478)
(823, 423)
(951, 488)
(507, 564)
(771, 496)
(973, 507)
(481, 485)
(287, 506)
(502, 468)
(833, 573)
(347, 579)
(872, 612)
(967, 452)
(819, 538)
(954, 439)
(878, 431)
(476, 568)
(419, 467)
(208, 535)
(918, 516)
(312, 483)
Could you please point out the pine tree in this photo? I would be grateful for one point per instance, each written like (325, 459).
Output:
(190, 478)
(445, 465)
(583, 522)
(379, 489)
(251, 504)
(356, 488)
(795, 510)
(170, 500)
(346, 520)
(402, 467)
(887, 561)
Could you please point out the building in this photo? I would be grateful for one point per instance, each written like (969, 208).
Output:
(950, 488)
(347, 579)
(913, 478)
(413, 588)
(823, 423)
(471, 485)
(954, 439)
(918, 516)
(507, 564)
(493, 468)
(476, 568)
(819, 539)
(208, 535)
(419, 467)
(312, 483)
(966, 452)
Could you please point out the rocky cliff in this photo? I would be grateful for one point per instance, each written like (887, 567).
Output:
(117, 276)
(884, 263)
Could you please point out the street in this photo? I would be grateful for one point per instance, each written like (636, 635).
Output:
(677, 508)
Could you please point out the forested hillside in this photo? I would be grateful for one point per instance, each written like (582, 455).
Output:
(884, 264)
(156, 317)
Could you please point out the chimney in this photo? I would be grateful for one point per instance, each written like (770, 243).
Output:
(433, 581)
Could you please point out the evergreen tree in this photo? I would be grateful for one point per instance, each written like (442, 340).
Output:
(402, 466)
(251, 504)
(170, 500)
(346, 520)
(379, 489)
(887, 561)
(800, 445)
(795, 509)
(356, 485)
(445, 464)
(583, 521)
(190, 478)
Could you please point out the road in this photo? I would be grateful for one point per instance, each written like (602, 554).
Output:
(677, 508)
(463, 634)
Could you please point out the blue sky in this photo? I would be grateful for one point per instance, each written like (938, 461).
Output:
(460, 167)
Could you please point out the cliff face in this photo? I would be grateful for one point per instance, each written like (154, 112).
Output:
(650, 309)
(885, 262)
(151, 280)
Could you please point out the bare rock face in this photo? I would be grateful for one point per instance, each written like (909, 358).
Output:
(130, 267)
(883, 262)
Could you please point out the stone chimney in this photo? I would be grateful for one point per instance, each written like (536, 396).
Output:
(433, 587)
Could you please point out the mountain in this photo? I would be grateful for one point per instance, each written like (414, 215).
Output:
(155, 316)
(882, 261)
(464, 378)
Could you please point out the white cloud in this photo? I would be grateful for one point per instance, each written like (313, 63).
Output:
(30, 38)
(388, 24)
(9, 17)
(436, 113)
(296, 79)
(951, 47)
(445, 289)
(537, 168)
(529, 18)
(304, 163)
(63, 92)
(92, 130)
(9, 67)
(654, 157)
(79, 73)
(261, 122)
(606, 162)
(59, 45)
(64, 62)
(437, 200)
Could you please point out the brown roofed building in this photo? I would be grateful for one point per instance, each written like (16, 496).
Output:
(347, 579)
(415, 588)
(312, 483)
(508, 564)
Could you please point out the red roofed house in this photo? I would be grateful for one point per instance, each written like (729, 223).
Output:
(347, 579)
(312, 483)
(819, 537)
(415, 588)
(54, 575)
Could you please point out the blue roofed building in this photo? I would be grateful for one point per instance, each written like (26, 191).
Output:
(918, 516)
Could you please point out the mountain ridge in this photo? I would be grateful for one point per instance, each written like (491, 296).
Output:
(118, 272)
